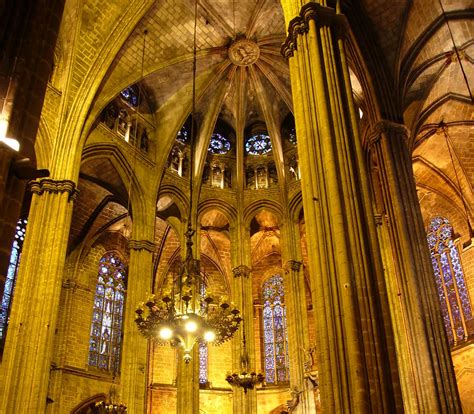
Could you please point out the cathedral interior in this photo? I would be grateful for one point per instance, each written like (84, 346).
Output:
(315, 158)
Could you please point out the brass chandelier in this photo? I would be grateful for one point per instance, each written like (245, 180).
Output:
(187, 313)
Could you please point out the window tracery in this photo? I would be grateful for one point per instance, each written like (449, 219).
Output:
(203, 357)
(183, 134)
(450, 283)
(275, 340)
(292, 136)
(219, 144)
(11, 276)
(130, 95)
(258, 144)
(106, 329)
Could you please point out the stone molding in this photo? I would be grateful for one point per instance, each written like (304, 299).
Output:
(48, 185)
(323, 16)
(142, 245)
(294, 265)
(387, 127)
(241, 270)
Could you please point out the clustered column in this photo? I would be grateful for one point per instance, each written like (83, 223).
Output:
(355, 346)
(134, 355)
(27, 356)
(244, 403)
(428, 381)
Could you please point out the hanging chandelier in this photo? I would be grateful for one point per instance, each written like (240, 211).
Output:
(104, 407)
(188, 313)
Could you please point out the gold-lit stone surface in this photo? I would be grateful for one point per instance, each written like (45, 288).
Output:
(244, 52)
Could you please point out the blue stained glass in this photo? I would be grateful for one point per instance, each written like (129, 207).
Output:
(274, 331)
(258, 144)
(130, 95)
(12, 272)
(449, 277)
(219, 144)
(106, 328)
(203, 355)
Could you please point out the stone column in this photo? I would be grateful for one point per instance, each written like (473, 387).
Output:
(428, 381)
(298, 340)
(188, 383)
(355, 349)
(135, 352)
(29, 343)
(244, 403)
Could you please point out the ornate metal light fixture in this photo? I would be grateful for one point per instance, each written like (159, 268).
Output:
(245, 379)
(110, 406)
(188, 314)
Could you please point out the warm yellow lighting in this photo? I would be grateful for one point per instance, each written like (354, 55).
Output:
(11, 142)
(191, 326)
(209, 336)
(165, 333)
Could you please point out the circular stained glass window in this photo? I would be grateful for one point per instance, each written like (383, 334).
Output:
(219, 144)
(183, 135)
(130, 95)
(258, 144)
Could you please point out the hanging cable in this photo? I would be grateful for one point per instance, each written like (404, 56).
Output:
(456, 50)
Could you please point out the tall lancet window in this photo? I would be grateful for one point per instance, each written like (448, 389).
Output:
(11, 277)
(203, 354)
(106, 330)
(275, 340)
(453, 295)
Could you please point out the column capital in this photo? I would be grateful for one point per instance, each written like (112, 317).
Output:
(241, 270)
(387, 127)
(48, 185)
(142, 245)
(294, 265)
(324, 16)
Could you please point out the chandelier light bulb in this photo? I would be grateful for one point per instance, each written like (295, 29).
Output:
(166, 333)
(209, 336)
(191, 326)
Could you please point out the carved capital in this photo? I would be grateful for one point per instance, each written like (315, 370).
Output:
(389, 128)
(48, 185)
(294, 265)
(323, 16)
(241, 270)
(141, 245)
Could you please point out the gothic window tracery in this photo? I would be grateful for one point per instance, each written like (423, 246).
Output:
(450, 283)
(11, 276)
(130, 95)
(292, 136)
(183, 134)
(219, 144)
(275, 340)
(258, 144)
(106, 330)
(203, 357)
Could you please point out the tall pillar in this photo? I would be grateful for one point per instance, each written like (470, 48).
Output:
(428, 381)
(244, 403)
(355, 349)
(29, 342)
(135, 352)
(298, 340)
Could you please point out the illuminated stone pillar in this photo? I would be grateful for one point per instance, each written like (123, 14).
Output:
(355, 349)
(29, 344)
(427, 377)
(135, 352)
(244, 403)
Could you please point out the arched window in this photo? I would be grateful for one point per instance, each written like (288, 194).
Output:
(453, 295)
(275, 340)
(203, 354)
(130, 95)
(258, 144)
(11, 277)
(106, 330)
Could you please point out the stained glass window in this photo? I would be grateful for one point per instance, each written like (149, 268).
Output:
(11, 276)
(106, 330)
(203, 353)
(292, 136)
(219, 144)
(275, 339)
(258, 144)
(130, 95)
(453, 295)
(183, 134)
